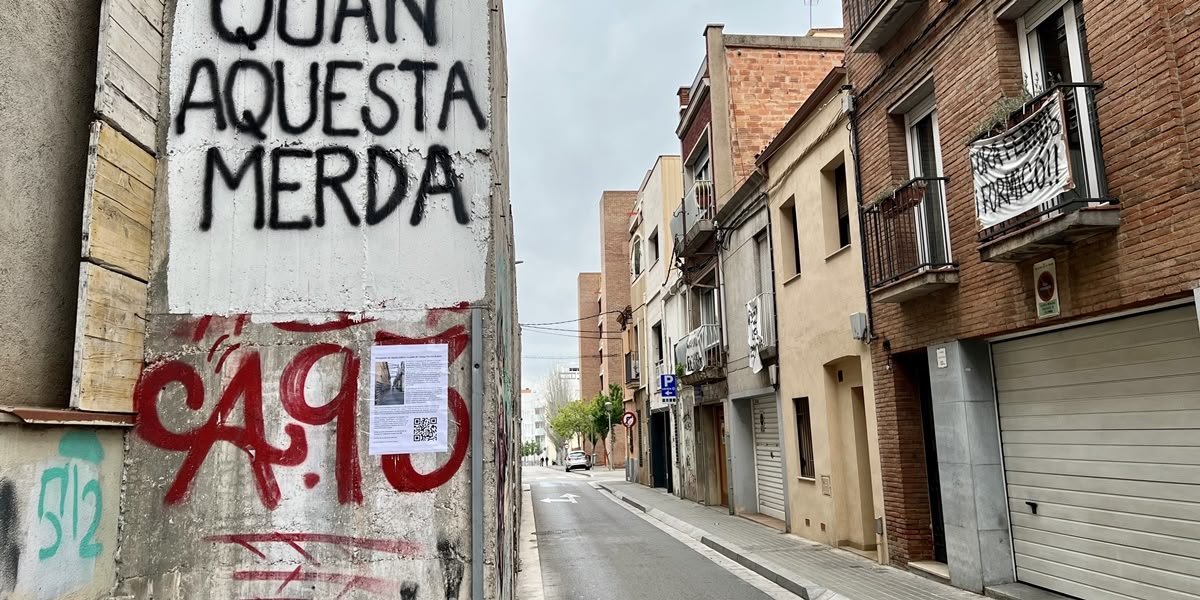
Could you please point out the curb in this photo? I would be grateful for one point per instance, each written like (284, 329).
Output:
(784, 579)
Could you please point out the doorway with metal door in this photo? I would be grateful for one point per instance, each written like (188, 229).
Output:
(915, 366)
(660, 450)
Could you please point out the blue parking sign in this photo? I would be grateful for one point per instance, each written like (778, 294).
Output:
(668, 385)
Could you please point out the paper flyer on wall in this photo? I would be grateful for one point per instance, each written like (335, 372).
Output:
(410, 399)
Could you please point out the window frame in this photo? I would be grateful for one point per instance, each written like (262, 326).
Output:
(841, 198)
(1031, 68)
(653, 242)
(762, 262)
(922, 109)
(635, 258)
(805, 451)
(789, 219)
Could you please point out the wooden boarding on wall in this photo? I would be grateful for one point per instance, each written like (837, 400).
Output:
(110, 331)
(119, 202)
(129, 67)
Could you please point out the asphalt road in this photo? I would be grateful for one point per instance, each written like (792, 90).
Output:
(594, 549)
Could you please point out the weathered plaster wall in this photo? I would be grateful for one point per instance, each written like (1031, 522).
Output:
(46, 90)
(249, 473)
(284, 249)
(368, 176)
(815, 340)
(60, 493)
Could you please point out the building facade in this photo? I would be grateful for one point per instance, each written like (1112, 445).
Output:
(533, 425)
(604, 310)
(653, 277)
(834, 490)
(1025, 169)
(743, 93)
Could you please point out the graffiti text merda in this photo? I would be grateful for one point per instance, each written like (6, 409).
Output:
(279, 103)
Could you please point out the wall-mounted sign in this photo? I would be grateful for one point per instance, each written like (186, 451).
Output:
(943, 360)
(668, 385)
(1023, 167)
(629, 419)
(1045, 289)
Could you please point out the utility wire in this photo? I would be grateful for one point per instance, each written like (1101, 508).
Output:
(611, 312)
(577, 337)
(535, 328)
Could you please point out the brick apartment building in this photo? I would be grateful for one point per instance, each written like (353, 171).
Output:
(602, 298)
(1036, 355)
(746, 89)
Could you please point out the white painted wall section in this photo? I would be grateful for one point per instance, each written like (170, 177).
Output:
(294, 233)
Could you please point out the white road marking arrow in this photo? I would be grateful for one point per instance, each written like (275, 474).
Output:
(565, 498)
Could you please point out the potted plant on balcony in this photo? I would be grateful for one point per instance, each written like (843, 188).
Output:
(1002, 115)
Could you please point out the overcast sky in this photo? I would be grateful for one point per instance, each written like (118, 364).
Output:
(591, 105)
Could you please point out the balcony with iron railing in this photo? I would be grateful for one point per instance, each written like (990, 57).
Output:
(694, 222)
(661, 368)
(908, 242)
(871, 23)
(633, 370)
(701, 355)
(1040, 184)
(760, 326)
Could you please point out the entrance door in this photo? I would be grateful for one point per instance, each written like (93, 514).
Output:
(722, 468)
(660, 451)
(768, 458)
(866, 492)
(916, 367)
(1100, 427)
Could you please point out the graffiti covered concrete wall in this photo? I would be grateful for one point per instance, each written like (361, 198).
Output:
(335, 179)
(328, 155)
(59, 500)
(252, 474)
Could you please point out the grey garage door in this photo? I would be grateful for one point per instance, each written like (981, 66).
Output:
(1101, 433)
(768, 459)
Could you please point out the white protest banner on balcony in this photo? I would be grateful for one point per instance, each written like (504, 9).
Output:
(754, 327)
(1024, 167)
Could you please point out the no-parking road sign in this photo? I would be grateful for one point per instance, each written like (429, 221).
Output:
(629, 419)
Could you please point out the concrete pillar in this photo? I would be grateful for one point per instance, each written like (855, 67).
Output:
(974, 500)
(740, 424)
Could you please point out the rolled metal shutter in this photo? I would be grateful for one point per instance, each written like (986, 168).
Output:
(768, 458)
(1100, 428)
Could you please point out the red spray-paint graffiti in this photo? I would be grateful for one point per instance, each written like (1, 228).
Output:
(306, 545)
(246, 387)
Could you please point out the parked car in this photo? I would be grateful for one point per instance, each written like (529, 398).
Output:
(578, 460)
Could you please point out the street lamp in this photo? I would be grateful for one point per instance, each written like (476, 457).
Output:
(608, 411)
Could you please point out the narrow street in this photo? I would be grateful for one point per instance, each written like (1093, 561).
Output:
(592, 547)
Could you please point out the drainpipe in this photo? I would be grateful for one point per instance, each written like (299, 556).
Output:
(862, 233)
(477, 480)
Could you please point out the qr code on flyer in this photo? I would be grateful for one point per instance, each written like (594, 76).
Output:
(425, 429)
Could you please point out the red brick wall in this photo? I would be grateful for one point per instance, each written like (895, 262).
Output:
(589, 356)
(766, 86)
(1148, 113)
(615, 209)
(691, 136)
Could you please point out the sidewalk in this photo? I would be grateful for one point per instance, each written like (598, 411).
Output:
(810, 570)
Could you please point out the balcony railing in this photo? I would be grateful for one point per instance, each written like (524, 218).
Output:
(633, 368)
(760, 325)
(700, 349)
(1063, 117)
(872, 23)
(661, 368)
(695, 215)
(906, 232)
